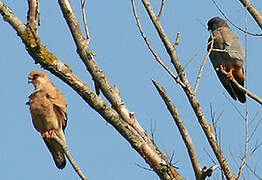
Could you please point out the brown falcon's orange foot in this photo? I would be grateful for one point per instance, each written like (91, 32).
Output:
(229, 71)
(49, 134)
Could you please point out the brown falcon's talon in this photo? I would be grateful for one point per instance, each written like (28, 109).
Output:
(230, 75)
(46, 134)
(49, 134)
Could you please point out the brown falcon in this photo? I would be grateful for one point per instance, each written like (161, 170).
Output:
(228, 54)
(48, 110)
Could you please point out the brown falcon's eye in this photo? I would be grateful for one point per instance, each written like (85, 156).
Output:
(35, 76)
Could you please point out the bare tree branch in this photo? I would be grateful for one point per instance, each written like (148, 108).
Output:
(255, 129)
(189, 92)
(241, 29)
(182, 129)
(244, 158)
(70, 157)
(158, 59)
(12, 19)
(253, 11)
(161, 9)
(83, 2)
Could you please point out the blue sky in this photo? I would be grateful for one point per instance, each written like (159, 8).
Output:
(120, 51)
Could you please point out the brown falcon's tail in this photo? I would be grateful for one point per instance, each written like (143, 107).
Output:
(231, 88)
(241, 96)
(56, 151)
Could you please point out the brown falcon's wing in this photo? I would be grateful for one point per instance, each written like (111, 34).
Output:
(60, 109)
(215, 56)
(235, 53)
(226, 39)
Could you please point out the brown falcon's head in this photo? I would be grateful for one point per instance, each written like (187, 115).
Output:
(215, 23)
(38, 79)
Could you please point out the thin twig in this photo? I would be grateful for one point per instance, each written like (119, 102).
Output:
(208, 172)
(210, 157)
(70, 157)
(203, 64)
(215, 121)
(233, 157)
(158, 59)
(88, 38)
(178, 36)
(161, 9)
(196, 54)
(234, 106)
(254, 172)
(241, 29)
(255, 116)
(253, 132)
(145, 168)
(152, 129)
(245, 159)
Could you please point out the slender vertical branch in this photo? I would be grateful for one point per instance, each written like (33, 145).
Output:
(158, 59)
(203, 64)
(33, 15)
(161, 9)
(244, 158)
(83, 2)
(178, 36)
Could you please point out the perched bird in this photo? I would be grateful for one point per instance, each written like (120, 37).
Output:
(48, 109)
(228, 54)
